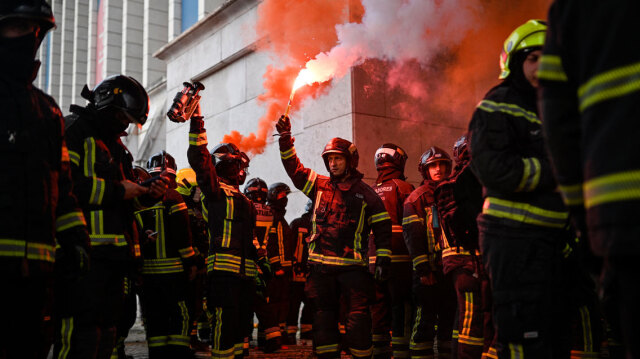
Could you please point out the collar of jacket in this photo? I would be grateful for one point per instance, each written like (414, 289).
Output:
(353, 177)
(389, 173)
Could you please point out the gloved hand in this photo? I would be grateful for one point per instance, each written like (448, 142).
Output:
(283, 125)
(382, 269)
(72, 260)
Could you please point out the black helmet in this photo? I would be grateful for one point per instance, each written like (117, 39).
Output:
(343, 147)
(460, 149)
(140, 174)
(277, 191)
(36, 10)
(433, 154)
(225, 152)
(390, 155)
(160, 162)
(121, 93)
(256, 190)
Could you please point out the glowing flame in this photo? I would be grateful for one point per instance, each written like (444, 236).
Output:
(305, 77)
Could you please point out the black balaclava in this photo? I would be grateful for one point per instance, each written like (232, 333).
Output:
(112, 121)
(229, 172)
(17, 61)
(517, 78)
(279, 206)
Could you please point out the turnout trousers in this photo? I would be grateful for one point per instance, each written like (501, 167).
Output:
(324, 287)
(296, 299)
(166, 315)
(530, 304)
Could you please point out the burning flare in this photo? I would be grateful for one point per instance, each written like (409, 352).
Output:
(305, 77)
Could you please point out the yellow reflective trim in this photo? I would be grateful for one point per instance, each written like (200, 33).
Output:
(32, 251)
(516, 351)
(531, 174)
(198, 139)
(572, 195)
(311, 181)
(185, 322)
(616, 187)
(610, 84)
(382, 252)
(468, 314)
(89, 157)
(509, 109)
(357, 243)
(74, 157)
(323, 349)
(186, 252)
(469, 340)
(70, 220)
(419, 260)
(178, 207)
(106, 239)
(320, 258)
(66, 331)
(217, 333)
(524, 212)
(97, 191)
(587, 338)
(159, 341)
(288, 153)
(551, 69)
(412, 218)
(382, 216)
(361, 353)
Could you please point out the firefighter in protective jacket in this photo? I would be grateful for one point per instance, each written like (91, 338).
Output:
(102, 172)
(39, 209)
(169, 264)
(523, 220)
(345, 210)
(231, 264)
(393, 305)
(434, 295)
(588, 74)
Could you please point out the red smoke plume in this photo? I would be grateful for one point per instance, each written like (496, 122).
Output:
(442, 55)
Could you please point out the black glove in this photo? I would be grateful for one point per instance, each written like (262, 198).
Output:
(382, 269)
(72, 260)
(284, 125)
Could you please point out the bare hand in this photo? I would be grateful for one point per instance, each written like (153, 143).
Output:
(429, 279)
(159, 187)
(132, 190)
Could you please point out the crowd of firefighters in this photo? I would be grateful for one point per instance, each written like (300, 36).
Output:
(491, 256)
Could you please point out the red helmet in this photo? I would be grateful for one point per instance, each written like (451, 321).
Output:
(390, 155)
(343, 147)
(433, 154)
(461, 149)
(256, 190)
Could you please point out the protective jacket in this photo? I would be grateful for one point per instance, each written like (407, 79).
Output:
(171, 251)
(280, 245)
(230, 215)
(99, 162)
(264, 222)
(393, 191)
(421, 229)
(301, 229)
(509, 159)
(589, 98)
(37, 201)
(344, 213)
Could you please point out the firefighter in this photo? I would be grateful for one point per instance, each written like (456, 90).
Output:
(589, 98)
(392, 309)
(459, 201)
(188, 188)
(169, 264)
(269, 336)
(39, 209)
(102, 172)
(280, 250)
(231, 264)
(345, 211)
(301, 229)
(433, 292)
(522, 225)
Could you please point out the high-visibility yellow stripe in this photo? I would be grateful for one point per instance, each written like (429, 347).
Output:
(610, 84)
(516, 351)
(572, 194)
(226, 235)
(587, 338)
(357, 243)
(551, 69)
(178, 207)
(98, 186)
(615, 187)
(97, 222)
(70, 220)
(410, 219)
(323, 349)
(379, 217)
(382, 252)
(357, 353)
(180, 340)
(184, 313)
(198, 139)
(530, 175)
(74, 157)
(187, 252)
(319, 258)
(469, 340)
(32, 251)
(311, 181)
(161, 248)
(217, 331)
(288, 153)
(491, 353)
(66, 332)
(510, 109)
(468, 313)
(158, 341)
(416, 323)
(423, 258)
(89, 157)
(108, 239)
(524, 212)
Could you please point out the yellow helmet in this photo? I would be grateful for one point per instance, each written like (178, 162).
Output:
(186, 180)
(529, 34)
